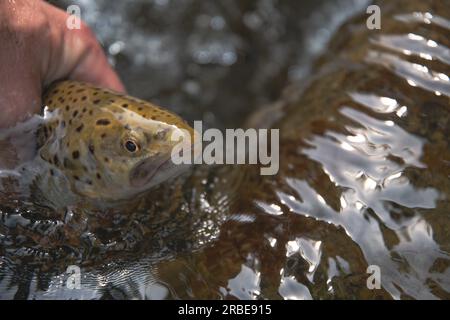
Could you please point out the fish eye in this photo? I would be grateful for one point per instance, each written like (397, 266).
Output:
(131, 146)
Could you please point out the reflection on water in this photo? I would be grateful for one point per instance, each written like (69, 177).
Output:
(364, 180)
(374, 149)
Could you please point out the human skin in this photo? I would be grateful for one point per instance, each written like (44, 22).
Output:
(36, 49)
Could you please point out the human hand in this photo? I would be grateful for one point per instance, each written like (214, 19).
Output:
(37, 48)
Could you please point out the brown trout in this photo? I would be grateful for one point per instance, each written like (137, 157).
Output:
(106, 145)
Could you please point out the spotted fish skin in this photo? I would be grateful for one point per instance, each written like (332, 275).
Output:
(107, 145)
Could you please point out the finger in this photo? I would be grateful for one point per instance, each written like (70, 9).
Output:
(93, 67)
(76, 54)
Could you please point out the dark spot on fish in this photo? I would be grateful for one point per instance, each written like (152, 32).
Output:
(76, 177)
(74, 114)
(67, 108)
(83, 98)
(79, 90)
(153, 117)
(96, 101)
(70, 121)
(103, 135)
(99, 177)
(55, 91)
(140, 109)
(80, 128)
(75, 100)
(84, 110)
(52, 173)
(91, 149)
(89, 182)
(75, 154)
(106, 159)
(103, 122)
(125, 105)
(50, 101)
(91, 112)
(95, 93)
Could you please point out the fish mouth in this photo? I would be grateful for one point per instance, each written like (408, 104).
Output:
(143, 173)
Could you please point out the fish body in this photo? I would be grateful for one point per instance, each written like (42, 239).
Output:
(105, 145)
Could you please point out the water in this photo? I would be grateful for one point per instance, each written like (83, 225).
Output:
(214, 61)
(364, 171)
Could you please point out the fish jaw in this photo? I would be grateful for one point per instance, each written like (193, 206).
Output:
(149, 174)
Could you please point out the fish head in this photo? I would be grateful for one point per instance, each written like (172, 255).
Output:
(135, 153)
(111, 146)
